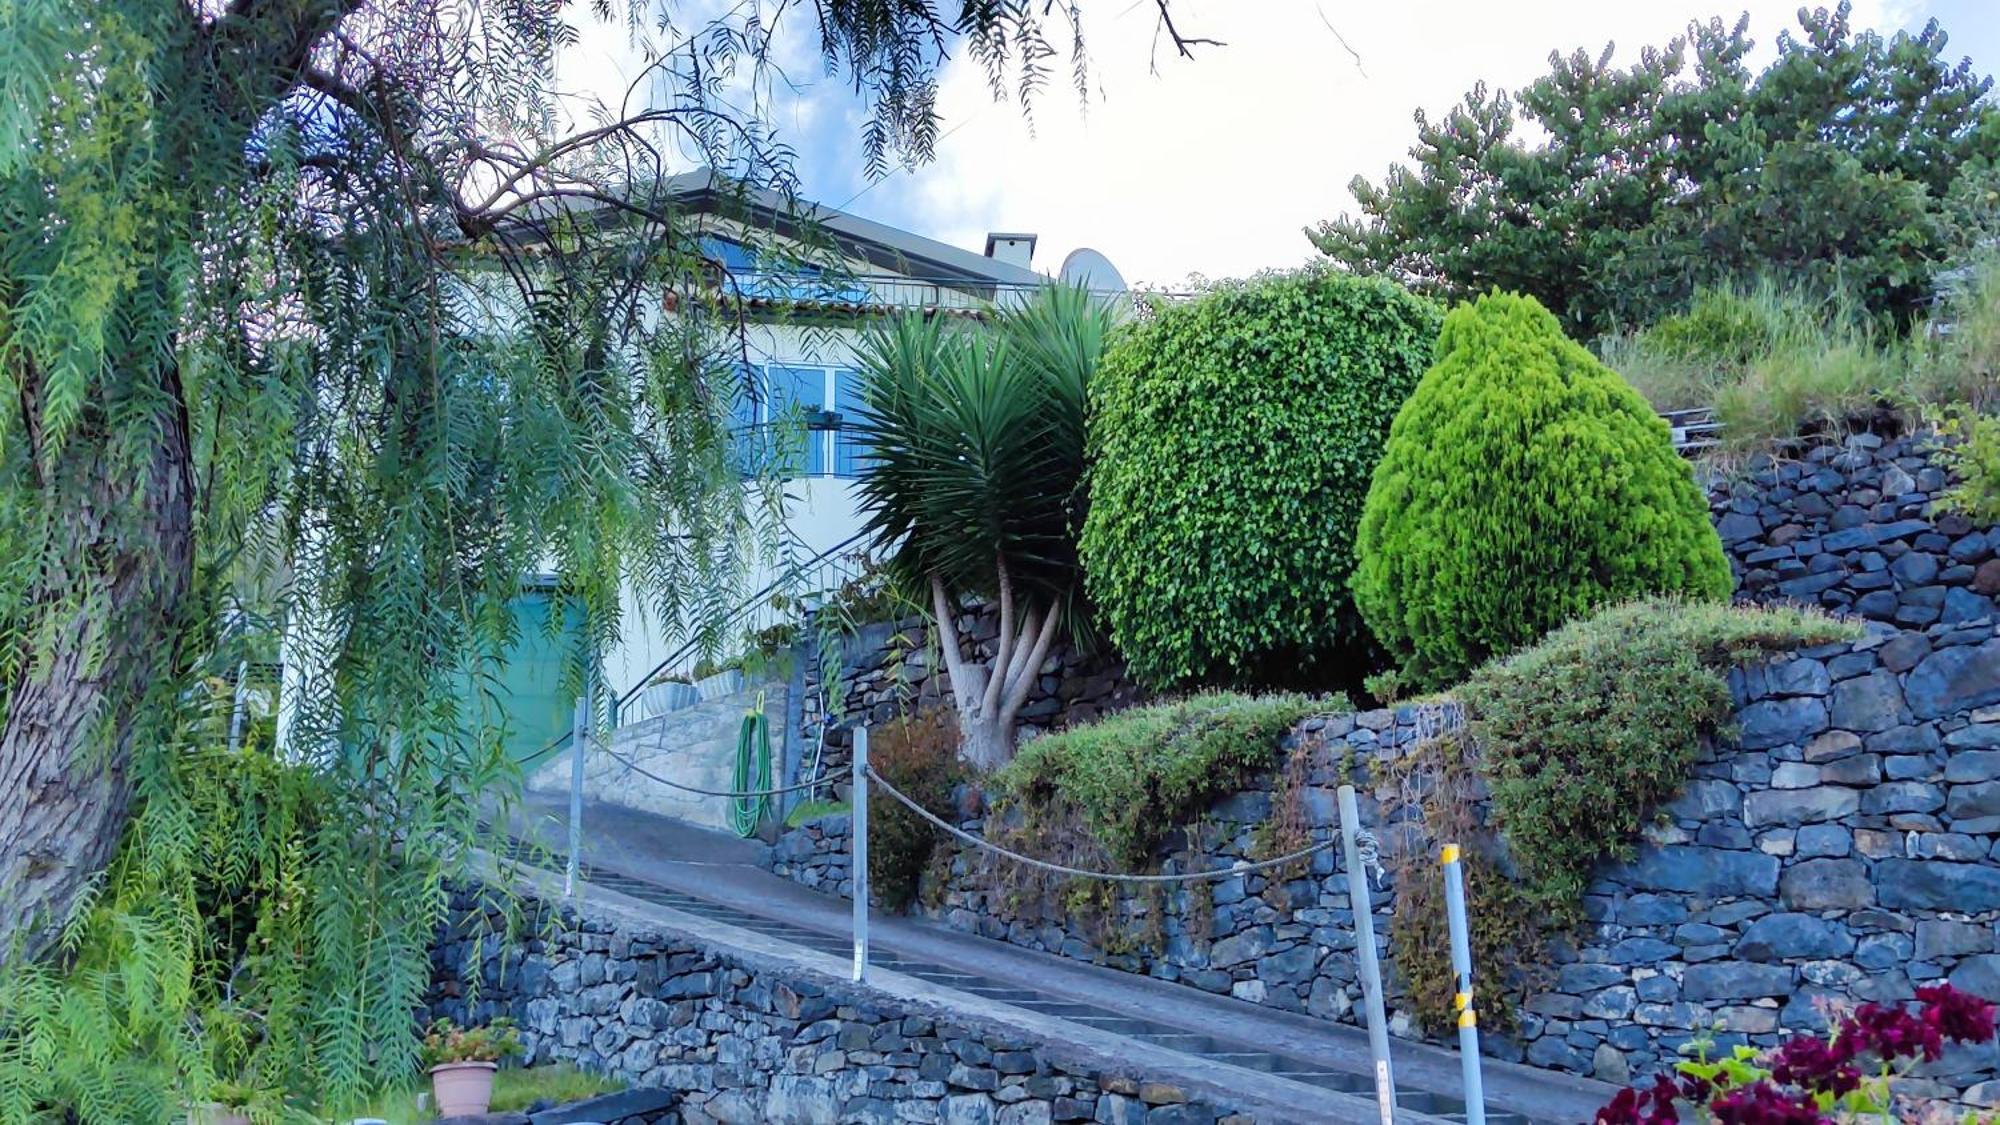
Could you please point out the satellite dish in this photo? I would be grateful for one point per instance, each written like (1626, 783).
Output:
(1092, 270)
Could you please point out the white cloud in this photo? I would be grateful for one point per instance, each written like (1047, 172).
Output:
(1215, 166)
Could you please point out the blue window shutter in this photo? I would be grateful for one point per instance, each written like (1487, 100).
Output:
(795, 393)
(850, 453)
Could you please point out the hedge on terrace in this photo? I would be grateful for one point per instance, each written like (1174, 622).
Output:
(1233, 438)
(1524, 485)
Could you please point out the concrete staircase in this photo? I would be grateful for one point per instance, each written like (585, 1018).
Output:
(685, 869)
(693, 746)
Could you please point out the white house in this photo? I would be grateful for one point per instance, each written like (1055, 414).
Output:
(809, 279)
(805, 281)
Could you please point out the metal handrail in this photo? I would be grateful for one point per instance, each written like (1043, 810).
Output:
(882, 290)
(746, 609)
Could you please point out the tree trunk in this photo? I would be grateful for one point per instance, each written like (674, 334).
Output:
(989, 696)
(983, 744)
(115, 573)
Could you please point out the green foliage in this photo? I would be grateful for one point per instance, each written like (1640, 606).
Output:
(297, 325)
(1585, 733)
(1779, 366)
(1729, 328)
(1611, 193)
(1233, 438)
(446, 1042)
(1385, 687)
(1841, 382)
(220, 917)
(1961, 373)
(1961, 358)
(918, 754)
(1523, 485)
(806, 812)
(1136, 775)
(976, 442)
(1776, 365)
(1970, 451)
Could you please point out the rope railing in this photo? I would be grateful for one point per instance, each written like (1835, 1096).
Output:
(1239, 868)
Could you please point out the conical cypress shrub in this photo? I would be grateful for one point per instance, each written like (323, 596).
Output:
(1524, 484)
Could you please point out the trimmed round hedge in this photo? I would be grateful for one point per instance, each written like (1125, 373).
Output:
(1524, 485)
(1232, 441)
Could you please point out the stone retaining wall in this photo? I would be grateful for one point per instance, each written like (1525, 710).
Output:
(1846, 848)
(745, 1039)
(1851, 527)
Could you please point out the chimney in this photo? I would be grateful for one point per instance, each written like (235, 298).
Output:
(1013, 249)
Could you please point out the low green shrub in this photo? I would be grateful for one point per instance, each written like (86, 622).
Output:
(1970, 452)
(1578, 739)
(1524, 485)
(1582, 735)
(918, 754)
(1232, 441)
(1137, 775)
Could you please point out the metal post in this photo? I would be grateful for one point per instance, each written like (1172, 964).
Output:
(859, 860)
(236, 706)
(1360, 903)
(1461, 969)
(579, 741)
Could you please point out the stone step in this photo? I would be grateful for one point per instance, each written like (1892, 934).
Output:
(1192, 1043)
(724, 889)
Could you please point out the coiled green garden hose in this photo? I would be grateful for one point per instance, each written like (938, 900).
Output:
(753, 773)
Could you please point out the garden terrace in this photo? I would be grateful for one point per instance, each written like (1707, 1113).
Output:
(1840, 847)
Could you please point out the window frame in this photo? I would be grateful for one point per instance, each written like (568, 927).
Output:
(823, 446)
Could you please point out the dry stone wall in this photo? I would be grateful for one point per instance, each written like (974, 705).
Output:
(1845, 848)
(743, 1039)
(1853, 528)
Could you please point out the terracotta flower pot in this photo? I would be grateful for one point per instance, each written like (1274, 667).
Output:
(463, 1088)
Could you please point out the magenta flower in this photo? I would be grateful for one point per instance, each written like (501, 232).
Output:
(1889, 1034)
(1813, 1064)
(1958, 1016)
(1764, 1104)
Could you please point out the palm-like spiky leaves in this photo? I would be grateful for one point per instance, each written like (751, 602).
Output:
(976, 457)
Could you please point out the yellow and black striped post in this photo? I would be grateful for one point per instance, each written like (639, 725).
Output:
(1461, 969)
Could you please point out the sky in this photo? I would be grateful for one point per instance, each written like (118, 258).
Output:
(1214, 166)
